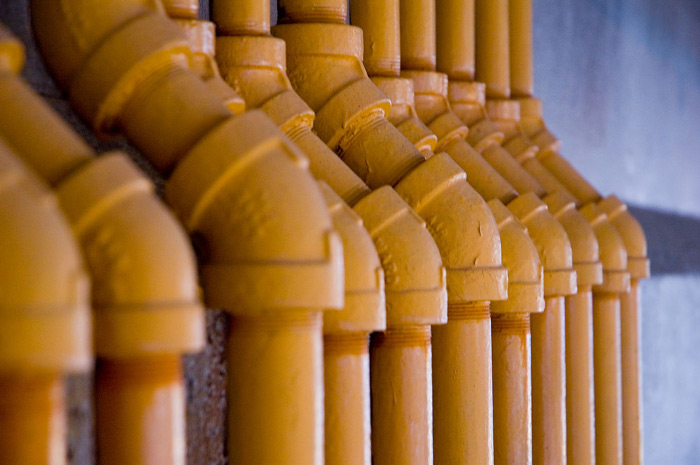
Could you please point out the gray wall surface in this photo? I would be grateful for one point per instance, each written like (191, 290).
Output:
(620, 82)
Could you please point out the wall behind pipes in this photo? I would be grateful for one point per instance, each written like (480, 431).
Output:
(620, 82)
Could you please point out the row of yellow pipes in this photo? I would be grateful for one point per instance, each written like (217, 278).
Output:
(446, 203)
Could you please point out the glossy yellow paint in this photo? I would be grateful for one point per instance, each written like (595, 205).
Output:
(548, 328)
(606, 341)
(201, 37)
(630, 318)
(511, 339)
(346, 340)
(424, 182)
(638, 265)
(45, 324)
(269, 254)
(144, 399)
(143, 270)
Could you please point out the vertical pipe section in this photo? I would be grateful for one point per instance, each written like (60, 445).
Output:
(580, 442)
(141, 402)
(382, 51)
(548, 383)
(418, 34)
(32, 419)
(512, 411)
(460, 345)
(608, 380)
(347, 399)
(630, 318)
(402, 396)
(268, 366)
(520, 21)
(491, 55)
(456, 20)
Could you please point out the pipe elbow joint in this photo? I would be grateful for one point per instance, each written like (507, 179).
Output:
(255, 67)
(325, 68)
(613, 254)
(100, 61)
(584, 245)
(266, 239)
(521, 259)
(433, 108)
(468, 101)
(403, 114)
(364, 309)
(200, 35)
(144, 273)
(551, 241)
(534, 127)
(632, 235)
(45, 322)
(461, 225)
(415, 282)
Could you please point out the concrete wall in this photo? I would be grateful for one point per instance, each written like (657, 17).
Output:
(620, 82)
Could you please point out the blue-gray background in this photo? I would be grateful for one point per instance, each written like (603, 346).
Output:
(620, 82)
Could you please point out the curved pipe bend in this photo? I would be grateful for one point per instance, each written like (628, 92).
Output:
(237, 183)
(44, 309)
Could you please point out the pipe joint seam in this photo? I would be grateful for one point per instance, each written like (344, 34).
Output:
(463, 228)
(521, 259)
(414, 274)
(552, 244)
(246, 176)
(45, 321)
(364, 309)
(144, 273)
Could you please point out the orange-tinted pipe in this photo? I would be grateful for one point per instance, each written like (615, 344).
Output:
(313, 11)
(580, 442)
(462, 385)
(382, 56)
(491, 56)
(402, 419)
(418, 34)
(456, 20)
(630, 321)
(347, 399)
(32, 419)
(520, 42)
(141, 404)
(268, 367)
(512, 408)
(608, 380)
(548, 383)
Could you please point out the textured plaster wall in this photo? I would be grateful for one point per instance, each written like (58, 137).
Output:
(620, 81)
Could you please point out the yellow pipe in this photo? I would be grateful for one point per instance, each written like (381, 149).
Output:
(346, 341)
(33, 418)
(143, 399)
(200, 35)
(241, 188)
(491, 54)
(313, 11)
(151, 286)
(606, 339)
(45, 327)
(522, 83)
(512, 388)
(256, 66)
(580, 428)
(630, 318)
(548, 328)
(412, 186)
